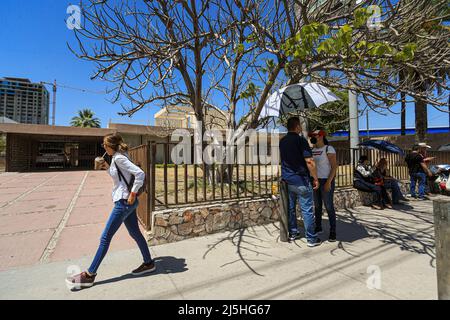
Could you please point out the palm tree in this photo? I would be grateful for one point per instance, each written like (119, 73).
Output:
(85, 119)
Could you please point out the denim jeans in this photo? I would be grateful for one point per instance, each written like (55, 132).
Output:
(304, 195)
(397, 194)
(122, 212)
(327, 198)
(382, 197)
(422, 177)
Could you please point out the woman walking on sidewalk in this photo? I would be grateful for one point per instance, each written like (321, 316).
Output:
(122, 171)
(326, 164)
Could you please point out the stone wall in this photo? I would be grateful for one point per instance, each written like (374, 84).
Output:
(183, 223)
(180, 224)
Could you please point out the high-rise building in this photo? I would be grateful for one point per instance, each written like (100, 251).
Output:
(23, 101)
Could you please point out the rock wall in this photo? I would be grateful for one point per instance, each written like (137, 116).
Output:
(183, 223)
(180, 224)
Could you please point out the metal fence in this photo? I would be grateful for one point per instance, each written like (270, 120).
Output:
(175, 185)
(396, 164)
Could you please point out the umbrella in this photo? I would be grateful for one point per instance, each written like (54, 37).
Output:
(445, 147)
(296, 98)
(382, 145)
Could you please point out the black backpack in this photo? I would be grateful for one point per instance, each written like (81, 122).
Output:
(131, 183)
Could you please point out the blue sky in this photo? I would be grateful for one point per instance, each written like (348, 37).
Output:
(33, 45)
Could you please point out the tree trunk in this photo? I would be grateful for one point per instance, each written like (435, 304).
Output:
(403, 110)
(403, 116)
(421, 120)
(421, 114)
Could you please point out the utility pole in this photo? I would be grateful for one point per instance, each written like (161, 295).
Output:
(354, 118)
(367, 124)
(354, 125)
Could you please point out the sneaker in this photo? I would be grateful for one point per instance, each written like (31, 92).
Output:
(332, 237)
(316, 243)
(80, 281)
(423, 198)
(388, 205)
(144, 269)
(293, 237)
(377, 207)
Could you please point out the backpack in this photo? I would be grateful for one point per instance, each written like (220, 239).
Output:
(131, 183)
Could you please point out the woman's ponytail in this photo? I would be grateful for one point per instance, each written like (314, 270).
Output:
(115, 141)
(123, 147)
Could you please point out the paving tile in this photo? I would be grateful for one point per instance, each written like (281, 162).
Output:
(10, 224)
(76, 242)
(49, 195)
(36, 206)
(22, 249)
(89, 215)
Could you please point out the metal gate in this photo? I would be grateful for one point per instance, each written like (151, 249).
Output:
(141, 157)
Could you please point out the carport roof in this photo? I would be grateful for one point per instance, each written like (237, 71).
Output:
(39, 129)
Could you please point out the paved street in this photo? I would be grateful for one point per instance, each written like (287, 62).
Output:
(53, 216)
(381, 254)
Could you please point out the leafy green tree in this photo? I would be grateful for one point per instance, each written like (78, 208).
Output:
(411, 40)
(85, 119)
(332, 116)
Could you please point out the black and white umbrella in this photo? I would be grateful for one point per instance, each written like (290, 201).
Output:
(297, 98)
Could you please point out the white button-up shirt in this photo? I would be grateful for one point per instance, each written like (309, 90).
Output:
(128, 169)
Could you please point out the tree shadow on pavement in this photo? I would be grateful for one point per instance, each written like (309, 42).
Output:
(245, 242)
(411, 230)
(164, 265)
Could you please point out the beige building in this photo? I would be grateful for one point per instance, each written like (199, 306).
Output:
(184, 117)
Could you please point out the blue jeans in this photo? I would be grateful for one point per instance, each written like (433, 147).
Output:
(327, 198)
(397, 194)
(422, 177)
(122, 212)
(304, 195)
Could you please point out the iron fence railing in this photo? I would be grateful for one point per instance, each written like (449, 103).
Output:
(174, 185)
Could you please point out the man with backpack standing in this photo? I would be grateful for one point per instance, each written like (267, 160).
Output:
(297, 168)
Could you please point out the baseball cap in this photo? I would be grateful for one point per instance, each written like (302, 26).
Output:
(423, 145)
(320, 133)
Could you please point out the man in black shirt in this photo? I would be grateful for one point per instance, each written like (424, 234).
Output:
(297, 168)
(418, 170)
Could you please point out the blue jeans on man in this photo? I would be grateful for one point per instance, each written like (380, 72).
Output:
(122, 213)
(397, 194)
(422, 178)
(326, 198)
(303, 194)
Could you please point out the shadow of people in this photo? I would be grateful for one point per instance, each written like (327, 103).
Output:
(164, 265)
(349, 230)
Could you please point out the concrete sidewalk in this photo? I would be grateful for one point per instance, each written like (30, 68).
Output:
(381, 255)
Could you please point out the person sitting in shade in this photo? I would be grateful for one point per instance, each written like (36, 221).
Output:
(381, 170)
(365, 180)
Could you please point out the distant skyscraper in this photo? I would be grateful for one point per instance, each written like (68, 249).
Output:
(23, 101)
